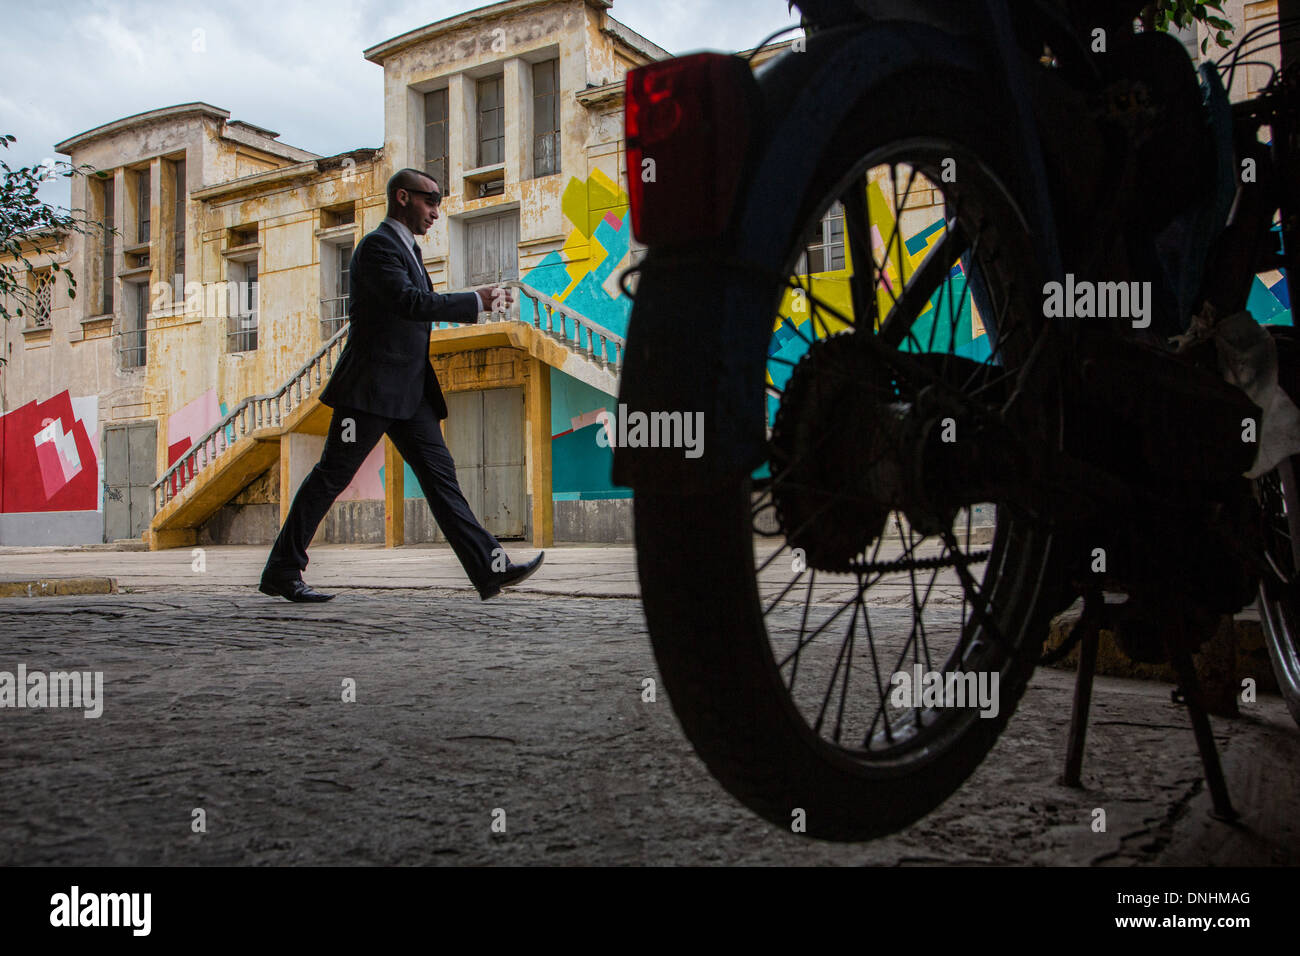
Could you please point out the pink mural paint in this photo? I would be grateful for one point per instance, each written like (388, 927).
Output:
(366, 485)
(187, 425)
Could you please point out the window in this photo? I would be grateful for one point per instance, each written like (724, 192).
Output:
(491, 122)
(134, 342)
(142, 201)
(42, 285)
(241, 329)
(435, 136)
(334, 306)
(331, 217)
(492, 249)
(546, 118)
(824, 243)
(106, 246)
(178, 225)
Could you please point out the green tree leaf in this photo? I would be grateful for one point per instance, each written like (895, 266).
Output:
(30, 227)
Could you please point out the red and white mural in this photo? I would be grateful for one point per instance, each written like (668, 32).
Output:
(49, 456)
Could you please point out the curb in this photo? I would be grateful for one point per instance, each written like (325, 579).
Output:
(51, 587)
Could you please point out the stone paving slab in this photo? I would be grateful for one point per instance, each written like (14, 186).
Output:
(232, 703)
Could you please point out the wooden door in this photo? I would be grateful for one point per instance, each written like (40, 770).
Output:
(485, 435)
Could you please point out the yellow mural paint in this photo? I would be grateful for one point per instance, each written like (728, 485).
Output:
(579, 267)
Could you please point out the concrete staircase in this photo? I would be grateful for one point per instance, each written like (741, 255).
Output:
(246, 441)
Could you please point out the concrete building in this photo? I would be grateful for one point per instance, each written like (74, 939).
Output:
(174, 396)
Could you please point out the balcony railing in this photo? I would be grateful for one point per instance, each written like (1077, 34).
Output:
(577, 332)
(258, 411)
(596, 343)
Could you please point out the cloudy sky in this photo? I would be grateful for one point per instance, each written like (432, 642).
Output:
(288, 65)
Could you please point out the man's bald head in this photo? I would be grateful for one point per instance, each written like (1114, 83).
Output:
(408, 179)
(413, 199)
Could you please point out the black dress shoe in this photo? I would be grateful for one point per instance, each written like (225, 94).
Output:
(293, 589)
(513, 574)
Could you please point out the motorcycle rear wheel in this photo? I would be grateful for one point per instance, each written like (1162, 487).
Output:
(728, 655)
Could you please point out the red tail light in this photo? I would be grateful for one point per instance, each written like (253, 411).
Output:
(688, 124)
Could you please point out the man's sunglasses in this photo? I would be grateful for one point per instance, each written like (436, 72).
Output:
(434, 198)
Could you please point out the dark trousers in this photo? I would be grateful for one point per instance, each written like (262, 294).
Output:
(419, 441)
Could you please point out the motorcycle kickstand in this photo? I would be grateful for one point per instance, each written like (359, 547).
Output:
(1192, 697)
(1088, 629)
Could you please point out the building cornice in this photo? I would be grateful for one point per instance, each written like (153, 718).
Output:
(382, 51)
(238, 131)
(274, 177)
(624, 34)
(149, 116)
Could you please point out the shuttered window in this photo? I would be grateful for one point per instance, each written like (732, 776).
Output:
(546, 118)
(435, 136)
(491, 122)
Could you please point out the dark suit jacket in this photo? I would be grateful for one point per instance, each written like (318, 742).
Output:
(384, 368)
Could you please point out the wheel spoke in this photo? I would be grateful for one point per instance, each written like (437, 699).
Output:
(928, 277)
(835, 485)
(846, 647)
(803, 625)
(857, 231)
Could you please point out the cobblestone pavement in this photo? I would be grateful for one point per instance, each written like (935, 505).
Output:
(221, 699)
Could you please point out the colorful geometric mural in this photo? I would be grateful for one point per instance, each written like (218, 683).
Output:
(580, 466)
(1270, 302)
(48, 456)
(950, 321)
(584, 276)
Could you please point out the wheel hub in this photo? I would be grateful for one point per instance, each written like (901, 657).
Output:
(854, 440)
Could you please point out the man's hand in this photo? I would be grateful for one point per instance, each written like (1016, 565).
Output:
(494, 298)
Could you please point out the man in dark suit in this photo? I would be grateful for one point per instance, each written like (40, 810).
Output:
(384, 385)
